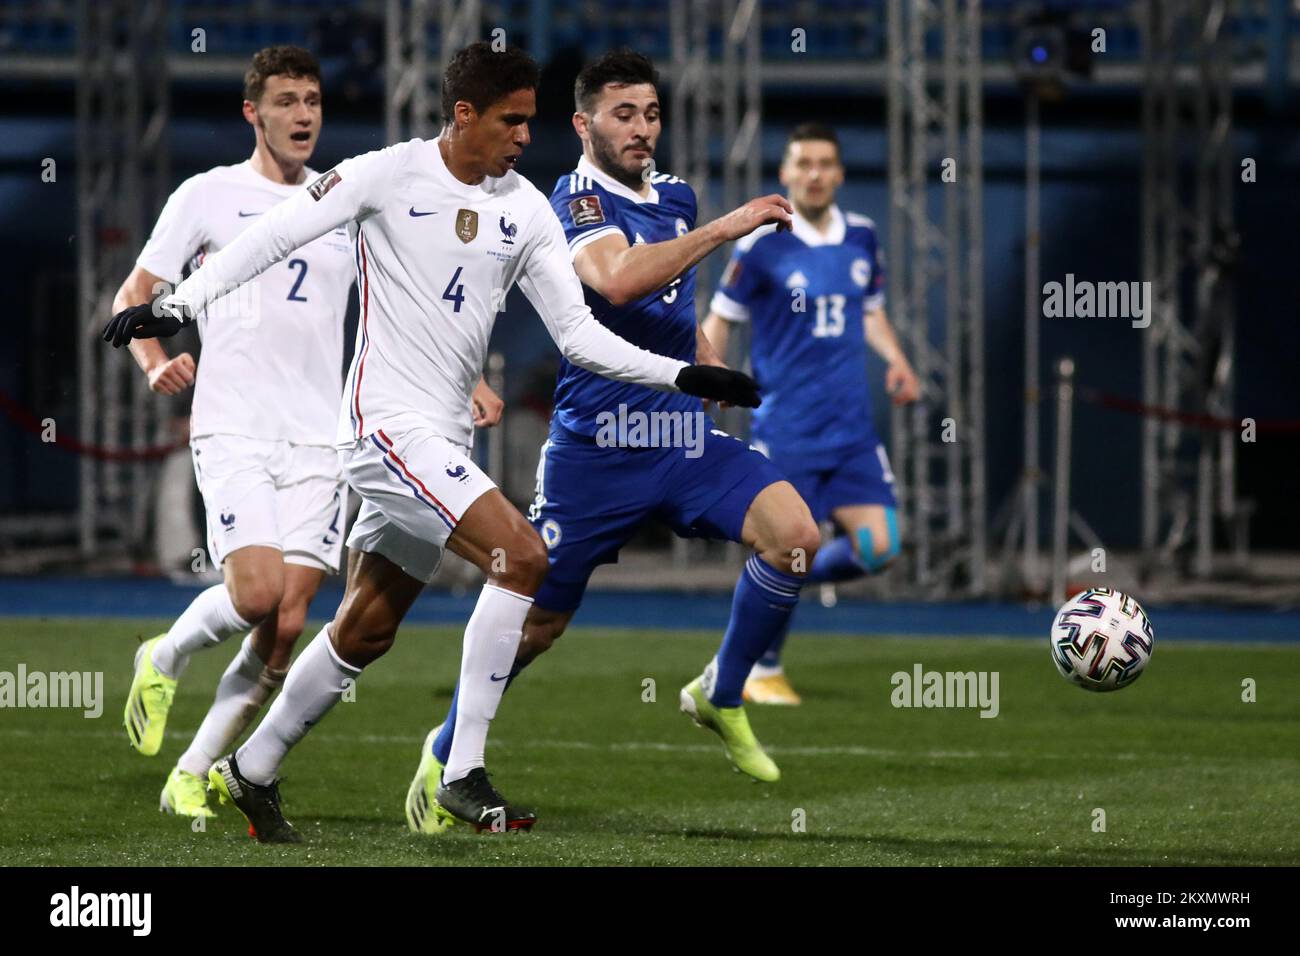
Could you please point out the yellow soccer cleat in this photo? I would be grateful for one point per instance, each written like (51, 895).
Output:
(185, 795)
(424, 814)
(731, 724)
(774, 689)
(148, 702)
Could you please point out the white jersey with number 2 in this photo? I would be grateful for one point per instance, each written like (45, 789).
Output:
(434, 260)
(272, 354)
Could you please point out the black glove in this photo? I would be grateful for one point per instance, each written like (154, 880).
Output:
(719, 385)
(150, 320)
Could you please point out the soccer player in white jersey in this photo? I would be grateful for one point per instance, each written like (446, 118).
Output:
(262, 428)
(265, 408)
(441, 231)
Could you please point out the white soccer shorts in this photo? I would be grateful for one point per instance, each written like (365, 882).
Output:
(415, 486)
(271, 493)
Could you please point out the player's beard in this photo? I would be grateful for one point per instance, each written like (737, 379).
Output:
(814, 213)
(608, 161)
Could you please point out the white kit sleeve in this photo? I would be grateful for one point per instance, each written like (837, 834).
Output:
(177, 235)
(548, 280)
(351, 191)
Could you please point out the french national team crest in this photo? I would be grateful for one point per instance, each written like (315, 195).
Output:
(466, 225)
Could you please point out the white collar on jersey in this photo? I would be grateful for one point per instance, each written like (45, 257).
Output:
(589, 169)
(833, 236)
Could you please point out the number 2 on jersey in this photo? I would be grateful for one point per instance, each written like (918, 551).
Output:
(458, 296)
(297, 284)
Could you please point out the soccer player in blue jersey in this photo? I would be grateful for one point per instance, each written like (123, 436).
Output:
(805, 294)
(617, 455)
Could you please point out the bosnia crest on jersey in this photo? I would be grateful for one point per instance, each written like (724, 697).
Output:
(466, 225)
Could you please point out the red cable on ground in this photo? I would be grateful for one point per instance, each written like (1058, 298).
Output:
(1193, 419)
(30, 423)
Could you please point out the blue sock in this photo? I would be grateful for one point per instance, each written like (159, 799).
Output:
(836, 561)
(772, 656)
(761, 608)
(442, 742)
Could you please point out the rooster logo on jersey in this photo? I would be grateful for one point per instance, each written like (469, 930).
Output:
(508, 232)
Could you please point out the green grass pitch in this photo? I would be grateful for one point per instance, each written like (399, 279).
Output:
(1186, 772)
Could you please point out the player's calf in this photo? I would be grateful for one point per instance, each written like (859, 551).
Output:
(274, 639)
(542, 629)
(378, 594)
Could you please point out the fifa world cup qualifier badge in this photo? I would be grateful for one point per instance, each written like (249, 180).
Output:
(466, 225)
(586, 211)
(323, 185)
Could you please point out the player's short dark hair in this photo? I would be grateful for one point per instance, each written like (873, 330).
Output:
(623, 66)
(818, 132)
(482, 76)
(290, 61)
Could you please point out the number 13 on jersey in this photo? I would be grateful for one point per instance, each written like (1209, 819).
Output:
(829, 320)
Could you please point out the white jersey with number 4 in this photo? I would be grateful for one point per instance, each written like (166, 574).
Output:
(272, 353)
(434, 259)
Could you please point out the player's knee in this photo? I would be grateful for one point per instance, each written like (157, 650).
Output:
(877, 551)
(795, 545)
(522, 566)
(361, 646)
(255, 600)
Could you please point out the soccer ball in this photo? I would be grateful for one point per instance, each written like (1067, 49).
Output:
(1101, 639)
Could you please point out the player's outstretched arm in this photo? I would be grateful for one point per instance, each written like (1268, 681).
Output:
(623, 273)
(352, 191)
(549, 282)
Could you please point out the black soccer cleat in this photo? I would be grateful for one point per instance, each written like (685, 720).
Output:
(260, 805)
(474, 800)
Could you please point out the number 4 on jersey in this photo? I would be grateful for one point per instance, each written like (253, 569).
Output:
(458, 295)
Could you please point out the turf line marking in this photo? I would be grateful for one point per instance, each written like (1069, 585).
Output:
(405, 740)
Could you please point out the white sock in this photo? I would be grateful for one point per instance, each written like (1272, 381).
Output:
(316, 682)
(209, 620)
(244, 689)
(759, 671)
(491, 640)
